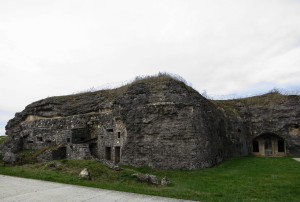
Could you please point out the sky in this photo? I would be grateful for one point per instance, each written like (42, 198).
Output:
(221, 48)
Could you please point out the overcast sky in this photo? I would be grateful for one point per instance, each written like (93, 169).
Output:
(223, 47)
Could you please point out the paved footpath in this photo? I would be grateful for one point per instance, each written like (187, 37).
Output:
(21, 189)
(297, 159)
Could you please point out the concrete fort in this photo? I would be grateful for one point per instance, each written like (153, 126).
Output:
(158, 122)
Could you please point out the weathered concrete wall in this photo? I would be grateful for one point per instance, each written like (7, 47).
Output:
(53, 154)
(173, 127)
(270, 113)
(78, 151)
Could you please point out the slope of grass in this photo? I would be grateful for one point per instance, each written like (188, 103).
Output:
(237, 179)
(267, 99)
(2, 139)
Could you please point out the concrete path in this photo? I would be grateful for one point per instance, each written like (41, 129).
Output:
(297, 159)
(21, 189)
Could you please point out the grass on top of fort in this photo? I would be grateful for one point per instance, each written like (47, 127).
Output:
(2, 138)
(237, 179)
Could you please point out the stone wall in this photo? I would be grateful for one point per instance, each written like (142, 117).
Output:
(78, 151)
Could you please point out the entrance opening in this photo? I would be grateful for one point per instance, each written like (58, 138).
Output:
(108, 153)
(255, 146)
(280, 146)
(93, 149)
(269, 144)
(117, 154)
(268, 147)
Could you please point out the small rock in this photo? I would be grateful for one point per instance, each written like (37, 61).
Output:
(53, 165)
(165, 181)
(10, 157)
(142, 177)
(85, 174)
(116, 168)
(152, 179)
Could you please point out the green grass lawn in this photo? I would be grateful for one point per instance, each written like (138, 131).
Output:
(237, 179)
(2, 138)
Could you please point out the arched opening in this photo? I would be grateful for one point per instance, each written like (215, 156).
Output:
(268, 144)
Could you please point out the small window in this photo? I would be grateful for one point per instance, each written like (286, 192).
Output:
(280, 146)
(119, 135)
(29, 141)
(255, 146)
(68, 139)
(110, 130)
(40, 139)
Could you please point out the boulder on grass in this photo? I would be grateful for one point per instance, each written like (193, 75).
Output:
(85, 174)
(53, 165)
(151, 179)
(10, 158)
(165, 181)
(116, 168)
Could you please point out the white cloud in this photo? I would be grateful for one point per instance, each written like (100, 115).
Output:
(59, 47)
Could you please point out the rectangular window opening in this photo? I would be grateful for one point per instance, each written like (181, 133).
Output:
(40, 139)
(110, 130)
(119, 135)
(68, 139)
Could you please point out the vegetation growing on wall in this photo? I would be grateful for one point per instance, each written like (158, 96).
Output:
(273, 97)
(2, 139)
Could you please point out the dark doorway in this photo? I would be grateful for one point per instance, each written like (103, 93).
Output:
(117, 154)
(108, 153)
(280, 146)
(93, 149)
(255, 146)
(268, 147)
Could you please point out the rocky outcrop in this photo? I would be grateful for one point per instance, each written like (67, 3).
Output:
(158, 122)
